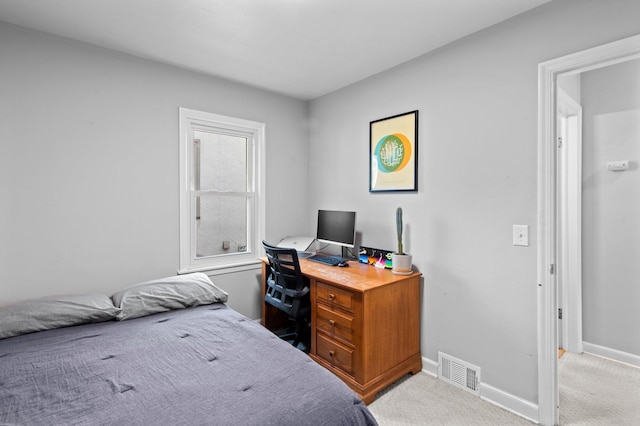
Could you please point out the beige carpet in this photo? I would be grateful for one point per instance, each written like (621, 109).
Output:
(422, 399)
(593, 391)
(597, 391)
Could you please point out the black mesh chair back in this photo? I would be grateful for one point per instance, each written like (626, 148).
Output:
(288, 290)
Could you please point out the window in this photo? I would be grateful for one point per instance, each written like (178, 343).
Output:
(221, 202)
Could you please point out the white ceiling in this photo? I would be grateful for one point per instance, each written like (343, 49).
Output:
(301, 48)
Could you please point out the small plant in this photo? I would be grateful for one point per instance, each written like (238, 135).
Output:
(399, 229)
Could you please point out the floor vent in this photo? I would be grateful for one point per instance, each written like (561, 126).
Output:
(459, 373)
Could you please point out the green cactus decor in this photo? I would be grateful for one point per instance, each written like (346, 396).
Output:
(401, 261)
(399, 229)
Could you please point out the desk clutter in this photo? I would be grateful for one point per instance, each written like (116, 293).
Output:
(375, 257)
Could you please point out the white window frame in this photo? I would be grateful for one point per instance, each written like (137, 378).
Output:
(190, 122)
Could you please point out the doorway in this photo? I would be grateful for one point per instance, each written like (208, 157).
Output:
(550, 227)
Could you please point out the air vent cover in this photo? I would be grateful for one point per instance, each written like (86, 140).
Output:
(459, 373)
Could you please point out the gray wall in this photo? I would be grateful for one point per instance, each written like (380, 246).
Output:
(89, 163)
(611, 207)
(477, 99)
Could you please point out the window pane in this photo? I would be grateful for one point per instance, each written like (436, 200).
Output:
(220, 162)
(222, 227)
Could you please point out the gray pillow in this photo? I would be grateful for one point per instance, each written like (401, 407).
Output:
(50, 312)
(166, 294)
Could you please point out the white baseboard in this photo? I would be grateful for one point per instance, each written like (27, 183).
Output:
(495, 396)
(509, 402)
(613, 354)
(430, 367)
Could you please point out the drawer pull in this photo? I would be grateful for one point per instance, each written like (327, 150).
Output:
(332, 296)
(331, 353)
(332, 323)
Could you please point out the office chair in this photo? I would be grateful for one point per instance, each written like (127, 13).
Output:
(288, 290)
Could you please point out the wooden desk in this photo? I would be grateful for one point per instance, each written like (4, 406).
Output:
(365, 323)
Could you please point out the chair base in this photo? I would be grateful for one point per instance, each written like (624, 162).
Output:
(298, 339)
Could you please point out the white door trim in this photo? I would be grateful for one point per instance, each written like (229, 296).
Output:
(548, 72)
(570, 226)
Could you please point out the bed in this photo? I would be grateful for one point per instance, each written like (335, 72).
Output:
(187, 361)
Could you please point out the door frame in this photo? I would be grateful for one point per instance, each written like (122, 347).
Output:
(547, 236)
(570, 224)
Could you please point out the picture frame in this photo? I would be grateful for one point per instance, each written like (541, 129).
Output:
(393, 153)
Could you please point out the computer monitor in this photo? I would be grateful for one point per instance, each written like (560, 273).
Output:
(337, 227)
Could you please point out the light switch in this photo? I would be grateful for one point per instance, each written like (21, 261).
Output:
(521, 235)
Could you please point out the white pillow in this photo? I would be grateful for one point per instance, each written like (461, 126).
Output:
(182, 291)
(50, 312)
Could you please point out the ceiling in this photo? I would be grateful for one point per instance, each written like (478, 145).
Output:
(300, 48)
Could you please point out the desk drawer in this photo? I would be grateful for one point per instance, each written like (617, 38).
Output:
(335, 296)
(334, 353)
(334, 323)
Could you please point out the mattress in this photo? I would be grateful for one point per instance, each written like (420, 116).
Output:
(207, 365)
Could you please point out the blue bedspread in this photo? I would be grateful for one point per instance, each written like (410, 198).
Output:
(199, 366)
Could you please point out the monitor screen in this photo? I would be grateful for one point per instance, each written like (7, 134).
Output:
(337, 227)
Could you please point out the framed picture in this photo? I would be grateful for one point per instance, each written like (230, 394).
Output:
(393, 153)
